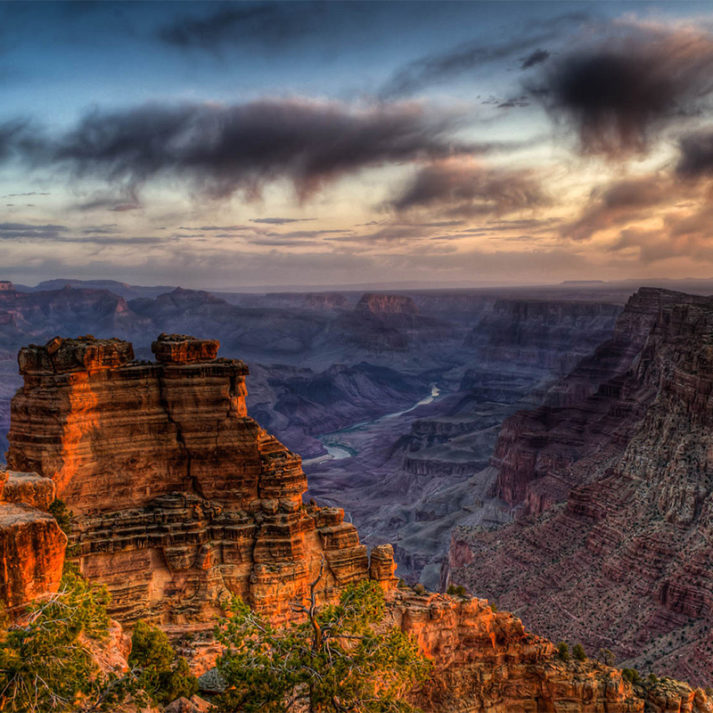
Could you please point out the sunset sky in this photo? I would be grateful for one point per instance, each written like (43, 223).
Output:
(231, 145)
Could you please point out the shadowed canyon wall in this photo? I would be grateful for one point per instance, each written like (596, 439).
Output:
(612, 482)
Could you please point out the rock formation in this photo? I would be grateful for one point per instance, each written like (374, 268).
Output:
(31, 543)
(613, 481)
(485, 661)
(180, 498)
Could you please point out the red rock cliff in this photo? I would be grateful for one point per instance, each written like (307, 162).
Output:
(31, 544)
(180, 497)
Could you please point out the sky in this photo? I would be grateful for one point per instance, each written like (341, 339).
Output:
(244, 144)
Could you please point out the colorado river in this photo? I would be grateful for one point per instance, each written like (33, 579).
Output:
(338, 451)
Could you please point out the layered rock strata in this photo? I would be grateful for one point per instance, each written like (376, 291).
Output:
(32, 545)
(180, 499)
(615, 481)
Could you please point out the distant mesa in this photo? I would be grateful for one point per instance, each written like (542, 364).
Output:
(374, 303)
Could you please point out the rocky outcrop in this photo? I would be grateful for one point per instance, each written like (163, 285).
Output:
(31, 543)
(486, 662)
(180, 499)
(614, 544)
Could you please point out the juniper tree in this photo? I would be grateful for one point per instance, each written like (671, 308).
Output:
(337, 659)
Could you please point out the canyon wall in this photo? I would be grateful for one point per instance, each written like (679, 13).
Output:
(180, 498)
(613, 483)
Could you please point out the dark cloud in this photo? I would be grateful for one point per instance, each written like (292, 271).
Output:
(619, 91)
(216, 228)
(619, 203)
(271, 23)
(696, 155)
(12, 137)
(30, 193)
(284, 242)
(466, 189)
(514, 102)
(280, 221)
(127, 201)
(467, 57)
(537, 57)
(224, 149)
(307, 233)
(12, 231)
(99, 235)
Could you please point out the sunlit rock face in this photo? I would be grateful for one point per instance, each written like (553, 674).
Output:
(612, 480)
(180, 498)
(31, 543)
(485, 661)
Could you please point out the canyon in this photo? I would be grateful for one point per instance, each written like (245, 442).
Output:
(344, 370)
(180, 498)
(609, 483)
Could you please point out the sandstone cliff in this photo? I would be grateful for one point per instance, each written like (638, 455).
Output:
(613, 480)
(31, 543)
(179, 497)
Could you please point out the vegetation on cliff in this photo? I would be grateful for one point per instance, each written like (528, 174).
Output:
(45, 662)
(336, 659)
(155, 667)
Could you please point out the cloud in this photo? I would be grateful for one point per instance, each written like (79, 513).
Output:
(280, 221)
(12, 137)
(223, 149)
(536, 57)
(696, 154)
(618, 91)
(215, 228)
(464, 188)
(99, 235)
(268, 23)
(469, 56)
(122, 203)
(618, 203)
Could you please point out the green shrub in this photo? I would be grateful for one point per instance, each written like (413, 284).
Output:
(563, 651)
(631, 675)
(59, 510)
(606, 656)
(457, 590)
(45, 665)
(579, 653)
(158, 670)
